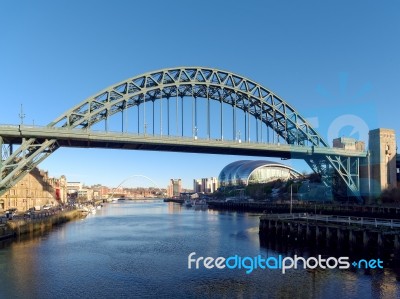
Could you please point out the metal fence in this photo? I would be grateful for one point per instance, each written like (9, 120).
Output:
(360, 221)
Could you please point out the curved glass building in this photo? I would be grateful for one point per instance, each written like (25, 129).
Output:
(245, 172)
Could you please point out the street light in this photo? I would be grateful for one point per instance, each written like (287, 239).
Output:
(22, 115)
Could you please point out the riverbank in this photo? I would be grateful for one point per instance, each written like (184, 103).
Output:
(14, 228)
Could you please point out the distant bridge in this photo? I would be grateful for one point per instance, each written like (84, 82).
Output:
(187, 109)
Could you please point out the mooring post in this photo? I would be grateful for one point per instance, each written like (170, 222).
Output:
(351, 238)
(317, 233)
(365, 238)
(308, 231)
(380, 240)
(291, 228)
(328, 235)
(396, 242)
(339, 235)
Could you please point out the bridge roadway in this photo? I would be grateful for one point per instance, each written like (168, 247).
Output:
(115, 140)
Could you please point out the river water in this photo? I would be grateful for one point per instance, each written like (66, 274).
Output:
(140, 250)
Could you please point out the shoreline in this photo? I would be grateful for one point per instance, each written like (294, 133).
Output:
(15, 228)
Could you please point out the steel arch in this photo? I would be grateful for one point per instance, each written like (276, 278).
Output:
(219, 85)
(197, 82)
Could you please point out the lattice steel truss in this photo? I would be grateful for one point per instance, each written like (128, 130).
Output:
(196, 82)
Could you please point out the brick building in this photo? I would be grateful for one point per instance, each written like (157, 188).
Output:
(35, 189)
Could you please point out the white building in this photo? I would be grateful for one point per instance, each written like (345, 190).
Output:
(205, 185)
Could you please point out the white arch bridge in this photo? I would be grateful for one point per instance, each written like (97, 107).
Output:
(185, 109)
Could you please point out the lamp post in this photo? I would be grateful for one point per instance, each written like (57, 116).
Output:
(21, 115)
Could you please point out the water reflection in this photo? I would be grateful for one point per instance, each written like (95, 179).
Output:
(139, 249)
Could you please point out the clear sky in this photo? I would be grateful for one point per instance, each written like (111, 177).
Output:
(336, 62)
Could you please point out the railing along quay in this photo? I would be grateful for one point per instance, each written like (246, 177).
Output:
(334, 219)
(311, 207)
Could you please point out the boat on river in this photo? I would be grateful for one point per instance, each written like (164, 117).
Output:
(199, 204)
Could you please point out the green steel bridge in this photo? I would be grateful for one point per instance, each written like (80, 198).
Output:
(185, 109)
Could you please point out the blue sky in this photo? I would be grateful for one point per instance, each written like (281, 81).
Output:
(337, 62)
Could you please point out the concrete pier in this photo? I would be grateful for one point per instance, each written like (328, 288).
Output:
(351, 232)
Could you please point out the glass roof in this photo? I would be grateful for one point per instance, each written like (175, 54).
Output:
(241, 170)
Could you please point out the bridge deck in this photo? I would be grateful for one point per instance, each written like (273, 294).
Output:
(115, 140)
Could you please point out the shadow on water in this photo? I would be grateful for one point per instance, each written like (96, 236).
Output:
(31, 238)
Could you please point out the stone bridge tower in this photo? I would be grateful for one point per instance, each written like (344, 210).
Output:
(382, 160)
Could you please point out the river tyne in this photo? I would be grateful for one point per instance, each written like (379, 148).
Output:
(140, 250)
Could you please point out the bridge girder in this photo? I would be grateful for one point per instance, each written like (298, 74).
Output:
(197, 82)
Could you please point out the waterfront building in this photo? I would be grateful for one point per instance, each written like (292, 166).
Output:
(174, 187)
(60, 187)
(100, 192)
(35, 189)
(205, 185)
(245, 172)
(349, 144)
(85, 194)
(73, 188)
